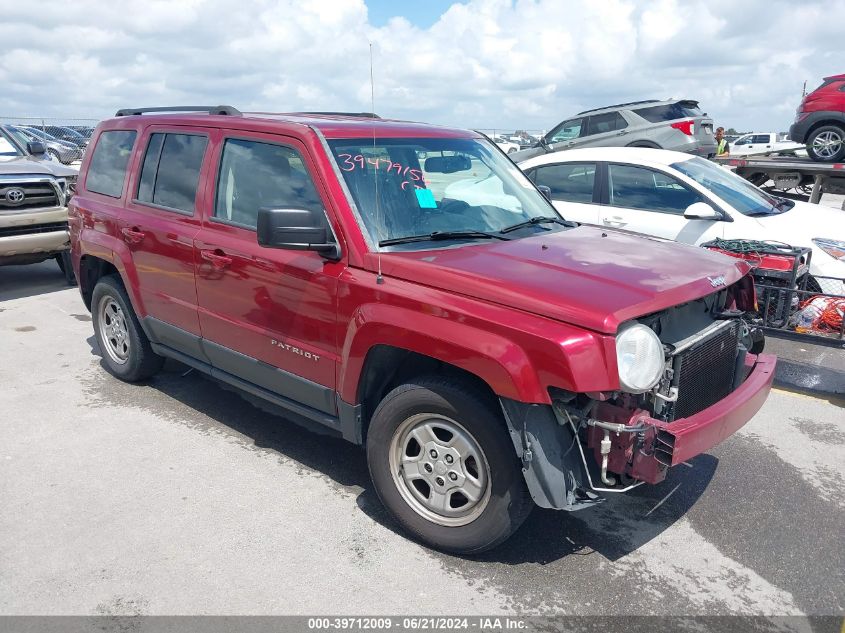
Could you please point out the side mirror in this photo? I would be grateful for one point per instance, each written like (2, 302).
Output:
(35, 147)
(701, 211)
(296, 230)
(546, 191)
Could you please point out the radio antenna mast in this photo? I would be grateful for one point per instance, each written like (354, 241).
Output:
(379, 278)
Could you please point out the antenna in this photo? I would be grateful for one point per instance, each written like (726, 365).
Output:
(379, 278)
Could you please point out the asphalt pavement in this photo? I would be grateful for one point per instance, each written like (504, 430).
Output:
(180, 497)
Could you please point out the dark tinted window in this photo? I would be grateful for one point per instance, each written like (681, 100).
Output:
(641, 188)
(609, 122)
(108, 163)
(566, 131)
(255, 175)
(572, 182)
(171, 170)
(679, 110)
(761, 138)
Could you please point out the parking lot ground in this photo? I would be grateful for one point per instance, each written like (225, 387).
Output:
(179, 497)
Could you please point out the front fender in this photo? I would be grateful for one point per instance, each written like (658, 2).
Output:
(499, 362)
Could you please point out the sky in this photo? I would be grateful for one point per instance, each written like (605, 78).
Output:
(483, 64)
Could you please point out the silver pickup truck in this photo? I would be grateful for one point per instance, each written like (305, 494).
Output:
(33, 197)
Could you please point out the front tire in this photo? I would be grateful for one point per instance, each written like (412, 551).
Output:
(126, 350)
(441, 461)
(827, 144)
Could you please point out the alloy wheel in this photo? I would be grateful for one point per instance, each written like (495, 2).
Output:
(827, 144)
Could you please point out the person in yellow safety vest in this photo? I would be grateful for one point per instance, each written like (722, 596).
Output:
(722, 147)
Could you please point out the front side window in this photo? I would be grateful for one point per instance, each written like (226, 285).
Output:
(571, 182)
(640, 188)
(603, 123)
(255, 175)
(171, 170)
(406, 187)
(566, 131)
(107, 169)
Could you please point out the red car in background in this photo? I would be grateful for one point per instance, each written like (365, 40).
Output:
(820, 121)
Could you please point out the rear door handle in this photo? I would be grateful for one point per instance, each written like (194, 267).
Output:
(622, 133)
(615, 220)
(133, 235)
(217, 258)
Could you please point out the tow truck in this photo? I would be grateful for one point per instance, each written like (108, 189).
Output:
(790, 172)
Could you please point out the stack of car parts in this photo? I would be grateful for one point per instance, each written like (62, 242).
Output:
(788, 298)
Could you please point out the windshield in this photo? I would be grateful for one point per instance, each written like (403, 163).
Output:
(407, 187)
(736, 191)
(8, 148)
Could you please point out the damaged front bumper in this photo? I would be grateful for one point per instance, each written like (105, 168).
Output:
(647, 455)
(629, 447)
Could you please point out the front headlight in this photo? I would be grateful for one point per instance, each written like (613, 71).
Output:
(639, 356)
(834, 248)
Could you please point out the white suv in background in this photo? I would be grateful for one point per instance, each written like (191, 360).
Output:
(688, 199)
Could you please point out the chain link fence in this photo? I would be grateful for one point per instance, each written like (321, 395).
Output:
(509, 136)
(64, 139)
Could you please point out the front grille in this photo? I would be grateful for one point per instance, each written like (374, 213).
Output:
(704, 372)
(36, 195)
(31, 229)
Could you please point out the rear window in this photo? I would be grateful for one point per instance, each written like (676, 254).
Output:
(108, 163)
(171, 170)
(679, 110)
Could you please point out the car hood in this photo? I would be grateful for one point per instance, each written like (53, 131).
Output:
(590, 277)
(35, 166)
(800, 224)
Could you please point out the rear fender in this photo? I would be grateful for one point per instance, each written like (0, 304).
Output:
(103, 246)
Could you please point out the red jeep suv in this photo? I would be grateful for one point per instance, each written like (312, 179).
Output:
(820, 121)
(406, 286)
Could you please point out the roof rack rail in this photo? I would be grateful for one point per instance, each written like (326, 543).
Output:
(363, 115)
(221, 109)
(619, 105)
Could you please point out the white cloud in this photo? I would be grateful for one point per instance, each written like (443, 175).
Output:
(484, 64)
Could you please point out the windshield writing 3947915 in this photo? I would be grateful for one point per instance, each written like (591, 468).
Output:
(348, 162)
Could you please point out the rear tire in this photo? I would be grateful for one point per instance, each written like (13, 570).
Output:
(125, 349)
(435, 440)
(827, 144)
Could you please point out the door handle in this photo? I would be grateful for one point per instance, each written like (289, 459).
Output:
(217, 258)
(622, 133)
(133, 235)
(615, 220)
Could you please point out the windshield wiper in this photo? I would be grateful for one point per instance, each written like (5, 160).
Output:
(541, 219)
(435, 236)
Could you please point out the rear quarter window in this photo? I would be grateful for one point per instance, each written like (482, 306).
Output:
(107, 169)
(670, 112)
